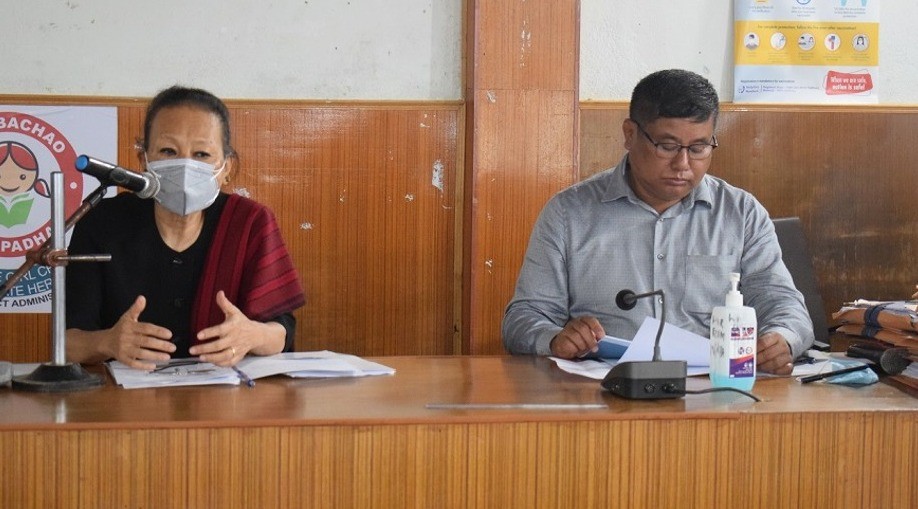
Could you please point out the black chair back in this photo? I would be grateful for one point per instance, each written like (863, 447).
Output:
(797, 258)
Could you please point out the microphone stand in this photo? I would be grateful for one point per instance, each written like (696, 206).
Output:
(58, 375)
(40, 254)
(654, 379)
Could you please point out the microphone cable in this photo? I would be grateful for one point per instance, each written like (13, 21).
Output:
(673, 390)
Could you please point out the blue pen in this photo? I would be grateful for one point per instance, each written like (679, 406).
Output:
(245, 378)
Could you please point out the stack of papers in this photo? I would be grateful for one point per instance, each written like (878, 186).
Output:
(184, 372)
(176, 372)
(676, 344)
(864, 303)
(324, 364)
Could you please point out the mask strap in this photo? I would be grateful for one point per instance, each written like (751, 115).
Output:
(220, 170)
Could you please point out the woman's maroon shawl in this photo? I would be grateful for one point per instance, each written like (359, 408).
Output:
(249, 262)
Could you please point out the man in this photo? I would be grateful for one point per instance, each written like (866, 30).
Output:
(655, 221)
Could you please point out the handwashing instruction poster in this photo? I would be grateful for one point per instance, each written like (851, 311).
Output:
(806, 51)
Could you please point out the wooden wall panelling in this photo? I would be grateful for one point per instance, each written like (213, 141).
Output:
(374, 235)
(846, 172)
(366, 197)
(522, 92)
(25, 337)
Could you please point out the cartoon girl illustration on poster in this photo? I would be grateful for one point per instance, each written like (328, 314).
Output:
(19, 183)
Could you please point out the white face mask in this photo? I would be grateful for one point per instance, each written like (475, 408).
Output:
(186, 185)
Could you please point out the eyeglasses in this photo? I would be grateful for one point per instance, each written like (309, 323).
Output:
(668, 150)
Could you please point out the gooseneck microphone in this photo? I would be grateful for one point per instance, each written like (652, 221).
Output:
(654, 379)
(626, 300)
(145, 185)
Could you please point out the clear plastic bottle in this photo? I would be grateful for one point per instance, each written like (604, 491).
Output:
(733, 341)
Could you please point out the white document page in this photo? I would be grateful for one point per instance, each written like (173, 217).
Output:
(676, 344)
(175, 373)
(320, 364)
(178, 372)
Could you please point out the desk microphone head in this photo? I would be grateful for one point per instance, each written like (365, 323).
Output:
(626, 300)
(890, 361)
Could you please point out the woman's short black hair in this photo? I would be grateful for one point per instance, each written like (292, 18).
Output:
(196, 98)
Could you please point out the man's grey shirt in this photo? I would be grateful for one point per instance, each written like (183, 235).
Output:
(596, 238)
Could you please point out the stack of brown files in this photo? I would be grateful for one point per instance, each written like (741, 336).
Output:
(889, 323)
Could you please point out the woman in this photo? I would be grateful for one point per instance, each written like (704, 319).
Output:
(194, 273)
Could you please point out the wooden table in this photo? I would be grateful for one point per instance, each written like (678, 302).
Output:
(372, 442)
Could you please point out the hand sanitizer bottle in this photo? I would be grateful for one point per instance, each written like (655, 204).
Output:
(733, 341)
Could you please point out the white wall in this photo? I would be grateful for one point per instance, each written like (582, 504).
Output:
(364, 49)
(621, 41)
(284, 49)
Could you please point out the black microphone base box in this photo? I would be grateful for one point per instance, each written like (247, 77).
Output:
(647, 379)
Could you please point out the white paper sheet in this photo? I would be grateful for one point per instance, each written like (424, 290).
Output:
(675, 344)
(320, 364)
(200, 373)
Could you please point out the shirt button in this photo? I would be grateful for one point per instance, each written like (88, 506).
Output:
(660, 300)
(177, 261)
(178, 303)
(661, 256)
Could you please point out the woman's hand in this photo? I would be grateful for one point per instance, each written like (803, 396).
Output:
(132, 342)
(227, 343)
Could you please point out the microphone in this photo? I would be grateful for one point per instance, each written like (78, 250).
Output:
(145, 185)
(886, 360)
(653, 379)
(626, 299)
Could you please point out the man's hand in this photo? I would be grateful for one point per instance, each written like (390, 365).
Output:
(774, 355)
(579, 337)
